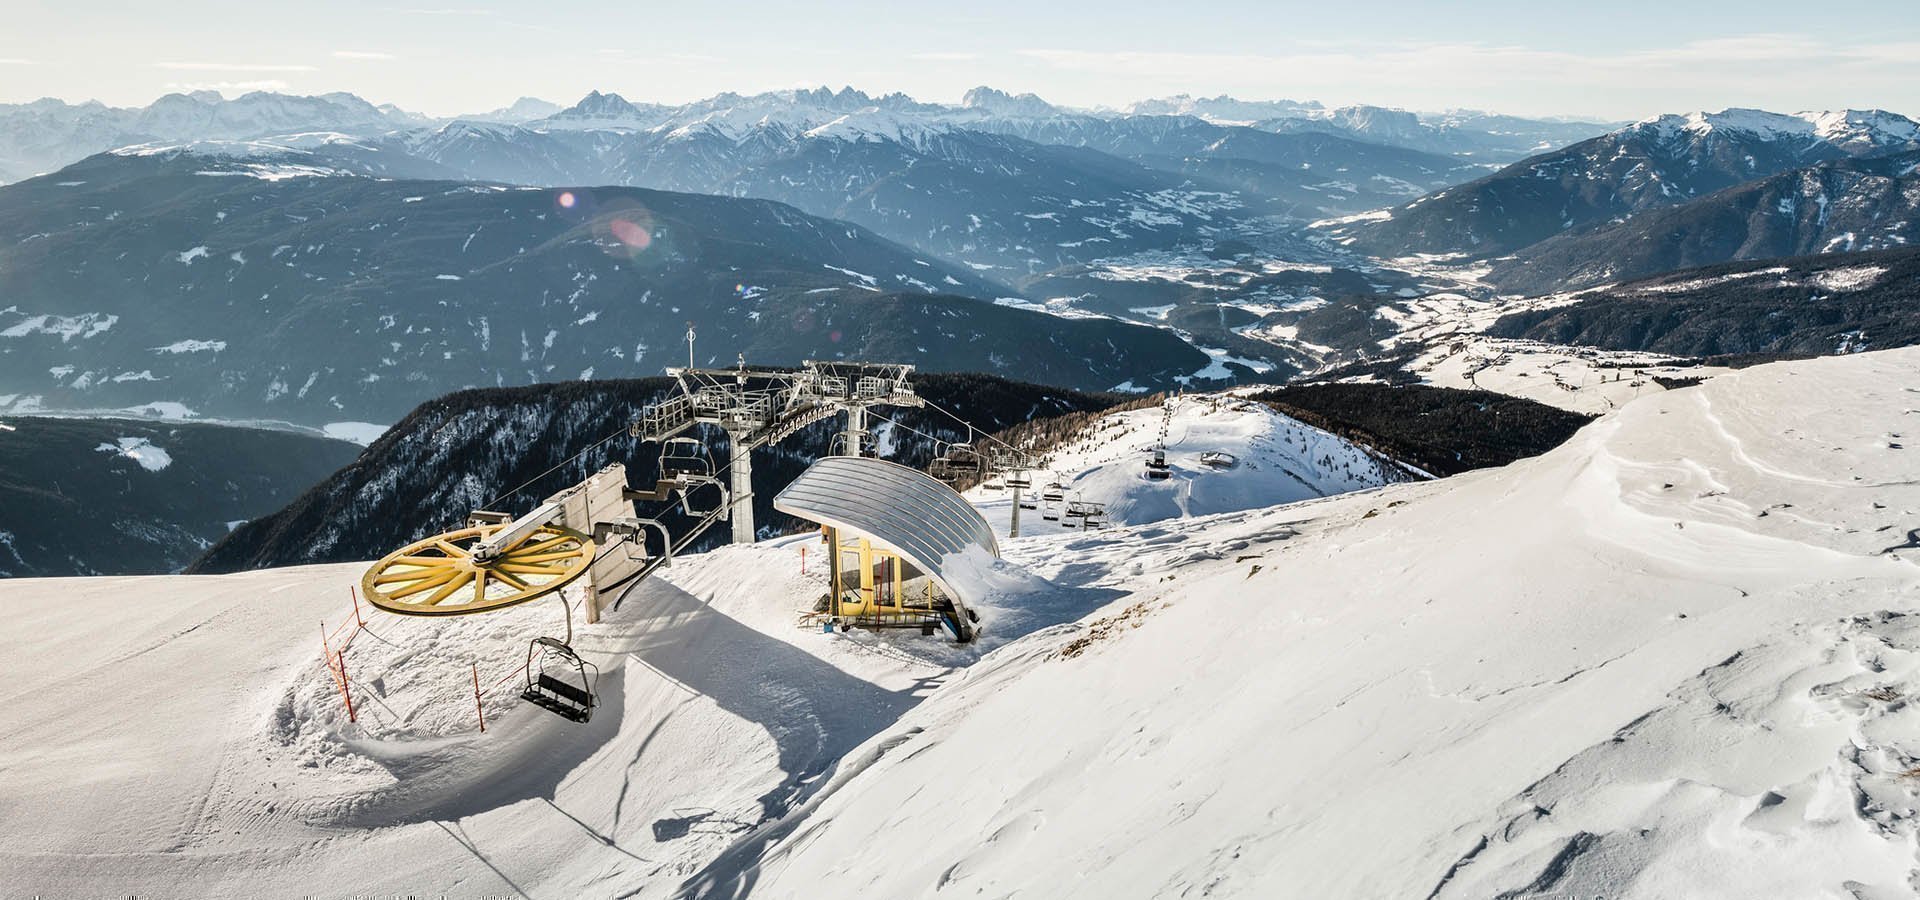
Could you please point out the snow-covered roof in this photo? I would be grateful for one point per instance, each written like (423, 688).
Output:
(907, 510)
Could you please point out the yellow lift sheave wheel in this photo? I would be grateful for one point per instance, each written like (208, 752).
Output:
(439, 576)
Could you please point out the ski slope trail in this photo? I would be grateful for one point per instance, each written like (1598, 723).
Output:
(1275, 460)
(1670, 658)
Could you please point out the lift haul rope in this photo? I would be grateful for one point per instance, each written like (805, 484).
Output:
(971, 428)
(557, 467)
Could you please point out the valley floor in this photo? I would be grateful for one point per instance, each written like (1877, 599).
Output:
(1671, 658)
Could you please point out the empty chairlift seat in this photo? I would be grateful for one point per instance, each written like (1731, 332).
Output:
(558, 680)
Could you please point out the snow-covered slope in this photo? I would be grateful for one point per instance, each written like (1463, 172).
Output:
(1276, 460)
(1667, 659)
(1855, 129)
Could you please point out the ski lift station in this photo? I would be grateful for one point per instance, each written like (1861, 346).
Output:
(903, 544)
(906, 549)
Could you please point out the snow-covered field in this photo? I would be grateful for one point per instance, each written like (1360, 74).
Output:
(1581, 379)
(1277, 460)
(1447, 330)
(1670, 658)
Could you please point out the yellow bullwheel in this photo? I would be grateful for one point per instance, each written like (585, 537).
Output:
(442, 575)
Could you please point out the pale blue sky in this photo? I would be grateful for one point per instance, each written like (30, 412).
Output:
(1624, 59)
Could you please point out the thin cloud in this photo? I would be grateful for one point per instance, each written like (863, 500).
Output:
(445, 11)
(938, 56)
(230, 67)
(361, 54)
(11, 61)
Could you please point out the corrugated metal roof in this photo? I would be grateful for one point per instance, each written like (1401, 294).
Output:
(913, 513)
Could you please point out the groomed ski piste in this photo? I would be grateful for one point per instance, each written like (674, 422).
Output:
(1673, 657)
(1274, 460)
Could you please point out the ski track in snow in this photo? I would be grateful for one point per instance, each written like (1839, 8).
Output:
(1673, 657)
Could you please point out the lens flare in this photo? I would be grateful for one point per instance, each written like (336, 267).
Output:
(566, 200)
(622, 227)
(630, 233)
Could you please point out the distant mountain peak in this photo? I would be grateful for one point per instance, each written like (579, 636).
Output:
(525, 109)
(603, 106)
(1847, 128)
(1224, 110)
(1000, 103)
(604, 110)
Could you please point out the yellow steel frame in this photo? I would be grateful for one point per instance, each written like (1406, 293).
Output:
(862, 602)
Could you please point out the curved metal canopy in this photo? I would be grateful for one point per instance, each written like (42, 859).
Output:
(907, 510)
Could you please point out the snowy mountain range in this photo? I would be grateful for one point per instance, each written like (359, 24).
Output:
(46, 134)
(1190, 230)
(1660, 162)
(1011, 183)
(1838, 206)
(285, 286)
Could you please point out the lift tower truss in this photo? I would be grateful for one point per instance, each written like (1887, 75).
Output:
(759, 407)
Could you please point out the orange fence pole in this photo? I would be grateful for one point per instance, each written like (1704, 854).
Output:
(346, 688)
(478, 712)
(803, 559)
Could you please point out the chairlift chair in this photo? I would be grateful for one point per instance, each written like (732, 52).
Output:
(702, 508)
(1020, 479)
(1092, 514)
(1052, 497)
(684, 456)
(557, 679)
(1083, 508)
(962, 458)
(840, 446)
